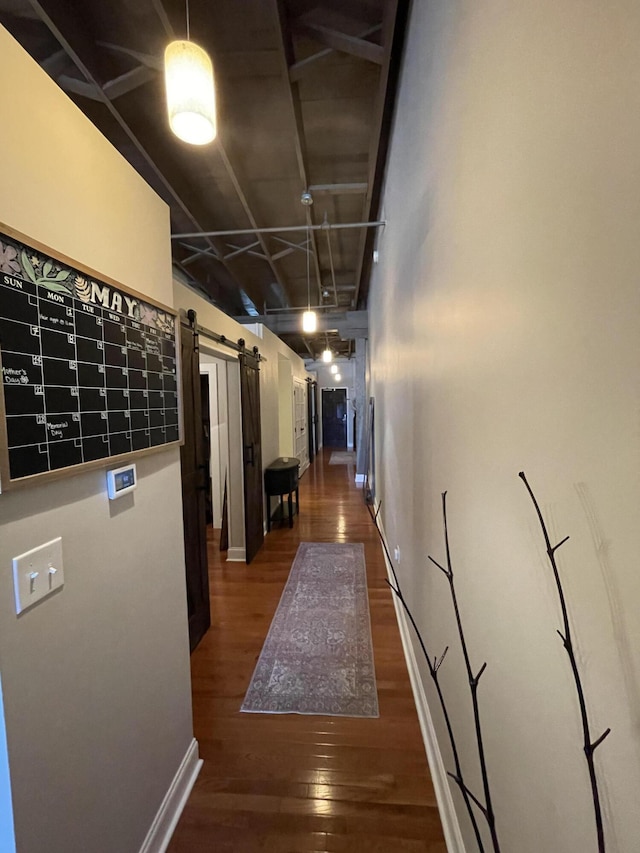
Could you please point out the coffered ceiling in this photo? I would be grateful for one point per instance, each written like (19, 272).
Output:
(305, 94)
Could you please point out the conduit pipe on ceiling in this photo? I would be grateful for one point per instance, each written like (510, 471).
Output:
(333, 272)
(324, 227)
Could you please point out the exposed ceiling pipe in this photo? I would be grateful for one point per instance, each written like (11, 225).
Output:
(324, 227)
(332, 268)
(293, 308)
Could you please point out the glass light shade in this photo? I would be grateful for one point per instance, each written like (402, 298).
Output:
(338, 377)
(191, 96)
(327, 355)
(309, 321)
(334, 368)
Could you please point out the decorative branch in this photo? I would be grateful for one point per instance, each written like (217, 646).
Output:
(589, 745)
(434, 667)
(487, 809)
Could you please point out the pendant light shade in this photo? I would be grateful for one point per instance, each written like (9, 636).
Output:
(327, 356)
(338, 377)
(191, 99)
(334, 368)
(309, 321)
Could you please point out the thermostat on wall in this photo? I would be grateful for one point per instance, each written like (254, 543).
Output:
(121, 480)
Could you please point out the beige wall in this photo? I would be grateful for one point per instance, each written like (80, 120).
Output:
(505, 336)
(95, 678)
(270, 346)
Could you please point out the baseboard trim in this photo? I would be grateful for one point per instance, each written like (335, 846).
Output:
(236, 555)
(360, 478)
(174, 801)
(448, 816)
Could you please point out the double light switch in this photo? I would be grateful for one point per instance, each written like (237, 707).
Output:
(37, 573)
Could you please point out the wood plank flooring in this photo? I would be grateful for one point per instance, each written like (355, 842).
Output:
(296, 784)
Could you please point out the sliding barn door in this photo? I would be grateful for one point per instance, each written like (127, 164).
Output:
(311, 393)
(300, 413)
(195, 474)
(251, 454)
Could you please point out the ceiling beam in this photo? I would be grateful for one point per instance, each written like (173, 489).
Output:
(249, 250)
(112, 89)
(128, 82)
(285, 45)
(300, 68)
(238, 185)
(240, 250)
(348, 324)
(394, 25)
(198, 253)
(342, 42)
(55, 63)
(308, 347)
(339, 189)
(73, 42)
(147, 59)
(79, 87)
(303, 247)
(242, 196)
(234, 176)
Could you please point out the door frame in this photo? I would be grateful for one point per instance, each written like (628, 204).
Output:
(251, 440)
(193, 477)
(344, 388)
(235, 479)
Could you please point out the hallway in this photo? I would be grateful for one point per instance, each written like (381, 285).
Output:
(288, 783)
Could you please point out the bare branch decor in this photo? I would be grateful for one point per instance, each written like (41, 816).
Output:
(474, 680)
(590, 745)
(433, 666)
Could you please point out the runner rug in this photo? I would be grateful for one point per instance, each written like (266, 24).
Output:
(318, 657)
(342, 457)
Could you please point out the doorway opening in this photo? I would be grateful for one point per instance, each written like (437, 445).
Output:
(222, 372)
(334, 417)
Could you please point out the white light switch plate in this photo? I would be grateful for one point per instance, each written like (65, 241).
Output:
(37, 573)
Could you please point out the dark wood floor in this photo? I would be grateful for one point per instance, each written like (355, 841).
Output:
(289, 783)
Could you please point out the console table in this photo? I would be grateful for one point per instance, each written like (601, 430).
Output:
(280, 479)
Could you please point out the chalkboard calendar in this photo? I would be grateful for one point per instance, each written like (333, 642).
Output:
(89, 369)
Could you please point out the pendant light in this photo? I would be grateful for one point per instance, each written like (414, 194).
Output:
(338, 377)
(309, 317)
(334, 368)
(327, 355)
(309, 321)
(190, 90)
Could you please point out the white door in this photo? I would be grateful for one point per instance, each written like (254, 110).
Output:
(300, 422)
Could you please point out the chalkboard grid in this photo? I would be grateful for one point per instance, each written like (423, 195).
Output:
(81, 382)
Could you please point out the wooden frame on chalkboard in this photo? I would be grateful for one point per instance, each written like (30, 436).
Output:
(127, 332)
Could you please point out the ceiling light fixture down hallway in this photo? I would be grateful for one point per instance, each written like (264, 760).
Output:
(190, 90)
(327, 355)
(309, 318)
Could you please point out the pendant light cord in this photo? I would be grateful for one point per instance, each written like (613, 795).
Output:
(308, 265)
(187, 8)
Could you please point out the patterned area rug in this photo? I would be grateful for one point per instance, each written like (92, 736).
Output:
(318, 657)
(342, 457)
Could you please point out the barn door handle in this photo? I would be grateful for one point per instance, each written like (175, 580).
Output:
(205, 476)
(250, 447)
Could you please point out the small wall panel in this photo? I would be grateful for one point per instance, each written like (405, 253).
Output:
(89, 367)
